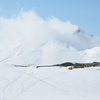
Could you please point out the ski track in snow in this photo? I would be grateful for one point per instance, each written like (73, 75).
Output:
(56, 86)
(7, 87)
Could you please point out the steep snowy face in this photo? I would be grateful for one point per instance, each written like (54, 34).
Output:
(81, 32)
(84, 41)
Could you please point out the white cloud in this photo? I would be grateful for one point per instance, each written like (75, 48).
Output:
(62, 27)
(30, 30)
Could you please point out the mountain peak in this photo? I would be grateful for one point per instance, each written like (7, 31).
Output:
(79, 30)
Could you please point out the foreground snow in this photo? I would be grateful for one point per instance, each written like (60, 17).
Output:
(19, 83)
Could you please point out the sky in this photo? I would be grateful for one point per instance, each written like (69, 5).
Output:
(83, 13)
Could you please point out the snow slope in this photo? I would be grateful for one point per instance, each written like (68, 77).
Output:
(18, 83)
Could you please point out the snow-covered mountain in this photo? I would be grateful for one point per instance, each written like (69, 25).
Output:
(55, 50)
(28, 40)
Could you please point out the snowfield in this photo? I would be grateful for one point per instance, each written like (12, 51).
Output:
(27, 41)
(55, 83)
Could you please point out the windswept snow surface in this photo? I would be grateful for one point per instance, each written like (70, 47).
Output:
(28, 40)
(17, 83)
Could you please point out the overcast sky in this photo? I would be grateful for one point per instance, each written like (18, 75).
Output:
(83, 13)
